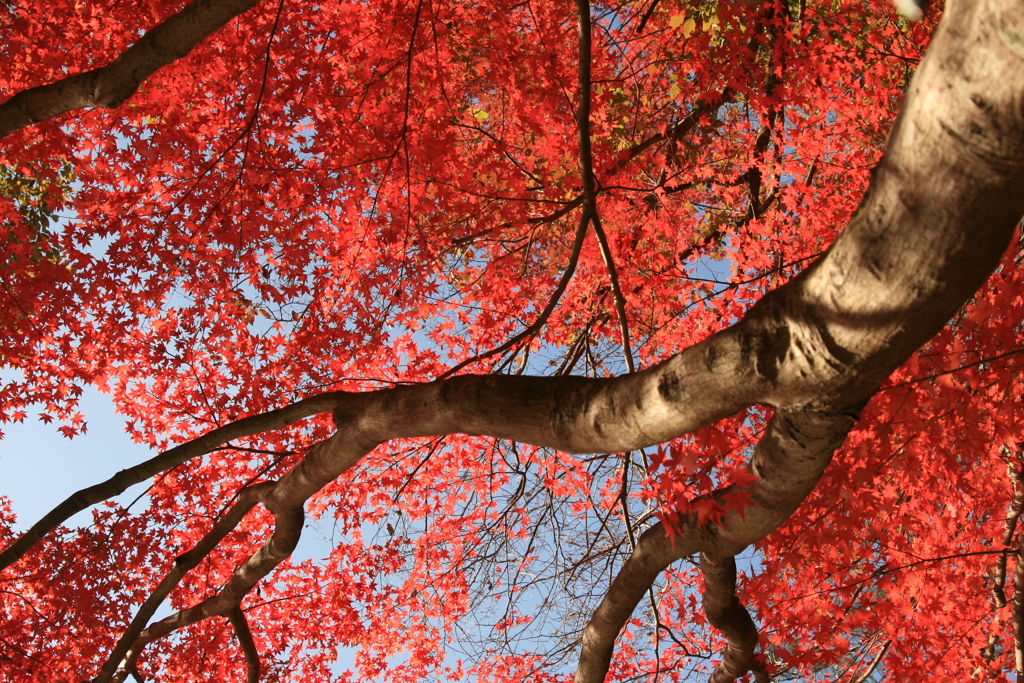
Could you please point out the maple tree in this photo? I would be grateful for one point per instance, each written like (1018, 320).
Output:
(381, 269)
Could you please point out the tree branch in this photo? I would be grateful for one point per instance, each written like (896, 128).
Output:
(706, 106)
(110, 85)
(957, 116)
(587, 174)
(874, 663)
(252, 655)
(940, 211)
(727, 614)
(287, 527)
(247, 499)
(998, 572)
(617, 297)
(1017, 612)
(538, 323)
(120, 482)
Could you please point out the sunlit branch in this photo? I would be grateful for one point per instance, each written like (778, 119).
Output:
(814, 350)
(874, 663)
(110, 85)
(785, 450)
(1018, 611)
(707, 106)
(998, 572)
(795, 449)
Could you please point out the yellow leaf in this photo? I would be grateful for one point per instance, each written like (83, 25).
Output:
(688, 27)
(677, 20)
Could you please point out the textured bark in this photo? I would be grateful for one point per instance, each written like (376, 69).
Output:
(110, 85)
(941, 208)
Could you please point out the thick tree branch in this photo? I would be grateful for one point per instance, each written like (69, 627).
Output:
(938, 215)
(727, 614)
(789, 460)
(110, 85)
(940, 211)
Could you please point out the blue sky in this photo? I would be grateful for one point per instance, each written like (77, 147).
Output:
(39, 467)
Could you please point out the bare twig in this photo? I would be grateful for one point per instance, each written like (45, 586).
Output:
(587, 173)
(706, 106)
(539, 322)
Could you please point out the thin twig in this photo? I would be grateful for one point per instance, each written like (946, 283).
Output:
(874, 663)
(587, 172)
(570, 269)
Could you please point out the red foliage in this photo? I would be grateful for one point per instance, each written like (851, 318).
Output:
(355, 195)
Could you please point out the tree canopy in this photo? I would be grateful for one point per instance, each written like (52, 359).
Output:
(544, 314)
